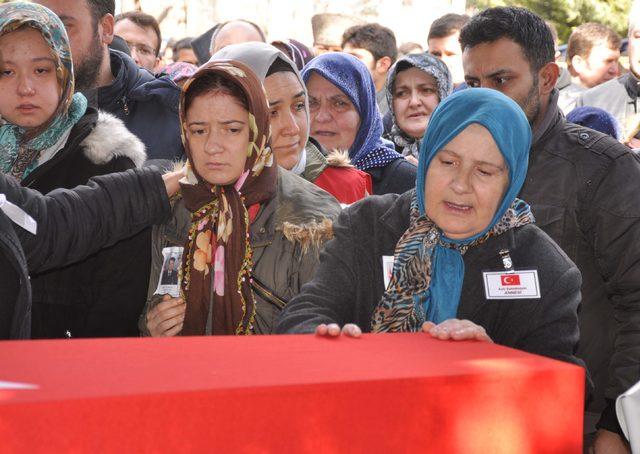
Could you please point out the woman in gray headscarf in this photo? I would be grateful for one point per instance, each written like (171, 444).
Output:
(292, 146)
(415, 86)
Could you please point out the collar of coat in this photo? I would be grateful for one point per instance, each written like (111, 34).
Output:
(552, 118)
(632, 85)
(111, 139)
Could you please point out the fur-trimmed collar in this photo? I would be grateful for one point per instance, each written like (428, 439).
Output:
(110, 139)
(339, 158)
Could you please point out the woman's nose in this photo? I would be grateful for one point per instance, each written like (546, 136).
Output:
(461, 182)
(213, 145)
(323, 115)
(415, 99)
(290, 126)
(26, 87)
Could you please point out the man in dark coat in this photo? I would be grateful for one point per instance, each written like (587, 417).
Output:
(583, 189)
(111, 207)
(113, 82)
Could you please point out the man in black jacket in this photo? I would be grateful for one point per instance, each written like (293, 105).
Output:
(112, 207)
(583, 189)
(113, 82)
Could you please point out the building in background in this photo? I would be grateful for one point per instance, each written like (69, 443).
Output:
(281, 19)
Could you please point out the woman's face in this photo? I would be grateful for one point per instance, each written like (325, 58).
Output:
(334, 118)
(415, 97)
(29, 90)
(289, 122)
(465, 183)
(218, 133)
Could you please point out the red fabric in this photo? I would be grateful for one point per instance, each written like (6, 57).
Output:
(381, 393)
(253, 211)
(347, 184)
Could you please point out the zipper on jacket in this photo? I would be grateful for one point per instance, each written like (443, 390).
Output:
(125, 106)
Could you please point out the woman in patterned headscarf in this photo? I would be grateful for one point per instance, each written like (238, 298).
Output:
(50, 138)
(33, 124)
(415, 86)
(244, 224)
(459, 257)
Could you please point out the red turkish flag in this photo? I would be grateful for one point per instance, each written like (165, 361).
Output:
(510, 279)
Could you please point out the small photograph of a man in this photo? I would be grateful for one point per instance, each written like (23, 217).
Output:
(170, 273)
(169, 279)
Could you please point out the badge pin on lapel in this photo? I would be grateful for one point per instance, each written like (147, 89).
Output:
(506, 261)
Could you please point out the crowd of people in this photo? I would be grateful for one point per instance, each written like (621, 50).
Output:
(228, 185)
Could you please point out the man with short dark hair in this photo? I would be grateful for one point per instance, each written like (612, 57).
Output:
(235, 32)
(583, 189)
(114, 83)
(443, 43)
(141, 31)
(375, 46)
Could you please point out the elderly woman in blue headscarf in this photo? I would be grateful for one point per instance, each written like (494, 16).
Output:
(459, 257)
(345, 117)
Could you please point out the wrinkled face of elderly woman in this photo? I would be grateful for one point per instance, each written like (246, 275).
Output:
(217, 128)
(29, 89)
(465, 183)
(334, 118)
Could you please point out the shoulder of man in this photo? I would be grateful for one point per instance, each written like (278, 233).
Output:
(160, 89)
(584, 146)
(604, 94)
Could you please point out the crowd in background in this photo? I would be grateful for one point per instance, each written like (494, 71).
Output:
(493, 146)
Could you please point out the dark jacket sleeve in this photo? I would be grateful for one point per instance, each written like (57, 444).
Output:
(614, 230)
(330, 297)
(73, 224)
(554, 323)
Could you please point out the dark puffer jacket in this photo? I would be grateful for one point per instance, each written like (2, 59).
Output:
(104, 294)
(147, 105)
(112, 207)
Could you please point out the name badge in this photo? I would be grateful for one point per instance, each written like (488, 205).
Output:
(387, 269)
(499, 285)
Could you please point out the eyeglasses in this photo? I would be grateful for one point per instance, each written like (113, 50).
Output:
(142, 49)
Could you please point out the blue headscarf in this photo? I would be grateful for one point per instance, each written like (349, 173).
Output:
(433, 292)
(369, 149)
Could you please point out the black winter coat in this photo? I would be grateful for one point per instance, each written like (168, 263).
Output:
(584, 190)
(396, 177)
(349, 281)
(103, 295)
(147, 105)
(111, 207)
